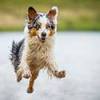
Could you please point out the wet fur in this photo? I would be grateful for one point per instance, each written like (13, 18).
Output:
(35, 55)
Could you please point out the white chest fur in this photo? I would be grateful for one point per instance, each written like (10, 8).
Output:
(39, 54)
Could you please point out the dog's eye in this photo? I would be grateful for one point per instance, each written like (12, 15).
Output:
(50, 26)
(53, 27)
(37, 25)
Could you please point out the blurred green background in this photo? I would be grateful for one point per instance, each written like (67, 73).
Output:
(79, 15)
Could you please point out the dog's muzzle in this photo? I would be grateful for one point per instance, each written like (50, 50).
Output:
(42, 38)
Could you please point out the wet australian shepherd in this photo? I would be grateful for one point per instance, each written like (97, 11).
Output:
(35, 51)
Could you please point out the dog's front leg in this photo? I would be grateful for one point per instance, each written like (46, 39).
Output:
(31, 82)
(53, 70)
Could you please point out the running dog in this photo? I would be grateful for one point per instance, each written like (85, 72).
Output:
(35, 51)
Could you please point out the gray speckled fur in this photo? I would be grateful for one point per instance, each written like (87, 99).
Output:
(16, 53)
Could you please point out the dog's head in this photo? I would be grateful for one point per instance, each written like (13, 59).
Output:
(42, 25)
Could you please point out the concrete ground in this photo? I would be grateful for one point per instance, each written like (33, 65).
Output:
(76, 52)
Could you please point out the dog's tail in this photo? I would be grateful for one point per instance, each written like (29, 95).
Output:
(16, 53)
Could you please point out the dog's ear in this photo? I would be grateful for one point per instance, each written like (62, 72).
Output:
(53, 13)
(31, 13)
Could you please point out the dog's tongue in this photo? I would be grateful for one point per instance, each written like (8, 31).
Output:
(43, 38)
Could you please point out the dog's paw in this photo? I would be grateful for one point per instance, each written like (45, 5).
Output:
(30, 90)
(27, 73)
(60, 74)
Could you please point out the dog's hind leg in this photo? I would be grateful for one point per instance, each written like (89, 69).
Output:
(23, 71)
(19, 73)
(30, 88)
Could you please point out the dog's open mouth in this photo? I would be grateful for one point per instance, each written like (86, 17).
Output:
(42, 39)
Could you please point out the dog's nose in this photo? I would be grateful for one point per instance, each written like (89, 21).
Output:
(43, 34)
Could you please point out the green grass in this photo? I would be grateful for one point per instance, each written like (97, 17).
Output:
(68, 26)
(74, 14)
(11, 28)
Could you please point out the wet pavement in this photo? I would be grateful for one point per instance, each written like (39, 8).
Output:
(76, 52)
